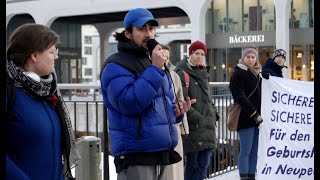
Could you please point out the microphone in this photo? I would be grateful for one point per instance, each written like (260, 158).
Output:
(151, 44)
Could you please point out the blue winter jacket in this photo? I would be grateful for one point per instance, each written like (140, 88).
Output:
(34, 141)
(140, 108)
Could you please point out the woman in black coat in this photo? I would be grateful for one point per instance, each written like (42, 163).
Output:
(243, 82)
(274, 66)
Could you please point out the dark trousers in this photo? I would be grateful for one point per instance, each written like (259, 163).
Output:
(197, 164)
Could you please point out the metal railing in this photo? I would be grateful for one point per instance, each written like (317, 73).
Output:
(88, 117)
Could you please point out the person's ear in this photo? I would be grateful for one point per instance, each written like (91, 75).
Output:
(127, 34)
(34, 57)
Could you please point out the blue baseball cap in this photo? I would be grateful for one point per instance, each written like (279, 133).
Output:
(139, 17)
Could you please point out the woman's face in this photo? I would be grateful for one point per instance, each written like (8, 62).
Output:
(44, 64)
(197, 57)
(250, 59)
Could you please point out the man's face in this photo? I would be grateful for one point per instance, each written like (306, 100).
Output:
(140, 36)
(279, 60)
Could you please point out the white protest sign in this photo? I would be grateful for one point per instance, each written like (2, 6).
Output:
(286, 136)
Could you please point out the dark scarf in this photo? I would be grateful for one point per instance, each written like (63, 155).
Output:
(130, 56)
(199, 73)
(47, 90)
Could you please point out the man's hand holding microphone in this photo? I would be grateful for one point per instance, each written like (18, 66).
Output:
(156, 53)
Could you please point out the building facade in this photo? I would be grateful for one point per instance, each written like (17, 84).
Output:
(230, 25)
(225, 26)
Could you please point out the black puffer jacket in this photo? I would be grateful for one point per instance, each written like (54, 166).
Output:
(242, 83)
(202, 115)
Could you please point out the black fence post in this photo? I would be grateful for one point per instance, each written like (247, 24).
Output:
(106, 145)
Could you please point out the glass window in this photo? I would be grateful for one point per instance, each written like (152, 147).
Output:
(233, 56)
(88, 50)
(219, 16)
(251, 15)
(311, 65)
(235, 14)
(265, 53)
(267, 15)
(217, 58)
(312, 13)
(210, 21)
(87, 39)
(296, 62)
(84, 61)
(87, 71)
(184, 50)
(300, 13)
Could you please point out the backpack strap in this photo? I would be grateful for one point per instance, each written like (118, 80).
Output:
(187, 79)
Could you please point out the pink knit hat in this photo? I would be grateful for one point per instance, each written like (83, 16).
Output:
(197, 45)
(249, 50)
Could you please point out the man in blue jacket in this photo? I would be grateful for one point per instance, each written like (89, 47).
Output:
(138, 94)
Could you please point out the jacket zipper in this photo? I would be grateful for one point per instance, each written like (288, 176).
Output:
(139, 127)
(53, 139)
(166, 109)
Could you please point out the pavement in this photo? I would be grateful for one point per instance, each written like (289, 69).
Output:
(232, 175)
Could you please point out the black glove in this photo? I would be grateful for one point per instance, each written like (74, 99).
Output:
(258, 119)
(265, 75)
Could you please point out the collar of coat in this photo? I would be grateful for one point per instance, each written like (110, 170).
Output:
(243, 67)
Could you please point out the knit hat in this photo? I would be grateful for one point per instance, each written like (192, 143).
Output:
(197, 45)
(279, 52)
(139, 17)
(248, 50)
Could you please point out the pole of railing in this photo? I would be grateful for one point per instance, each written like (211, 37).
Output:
(106, 145)
(87, 117)
(75, 116)
(97, 120)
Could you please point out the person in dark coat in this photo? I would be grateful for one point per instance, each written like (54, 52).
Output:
(243, 81)
(40, 140)
(274, 66)
(202, 115)
(142, 111)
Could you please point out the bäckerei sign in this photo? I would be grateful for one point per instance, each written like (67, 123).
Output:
(246, 39)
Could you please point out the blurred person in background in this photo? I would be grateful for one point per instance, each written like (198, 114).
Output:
(176, 171)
